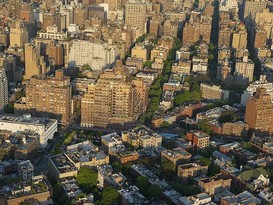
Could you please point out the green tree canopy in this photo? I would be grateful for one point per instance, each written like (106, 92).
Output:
(142, 183)
(110, 196)
(181, 98)
(204, 126)
(153, 191)
(87, 179)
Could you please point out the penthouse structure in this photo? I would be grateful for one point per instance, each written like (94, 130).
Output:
(43, 127)
(48, 97)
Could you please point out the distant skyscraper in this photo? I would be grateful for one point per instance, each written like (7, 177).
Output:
(135, 16)
(259, 112)
(3, 89)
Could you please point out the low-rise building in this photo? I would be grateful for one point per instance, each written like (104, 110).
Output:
(142, 137)
(45, 128)
(37, 189)
(61, 166)
(213, 185)
(131, 196)
(86, 154)
(107, 177)
(242, 198)
(25, 170)
(198, 199)
(235, 129)
(198, 139)
(110, 140)
(200, 64)
(71, 188)
(122, 154)
(182, 67)
(192, 170)
(213, 92)
(176, 156)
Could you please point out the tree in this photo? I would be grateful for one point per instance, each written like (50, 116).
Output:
(109, 196)
(168, 169)
(204, 126)
(142, 183)
(9, 108)
(147, 63)
(86, 67)
(182, 98)
(227, 116)
(213, 170)
(87, 179)
(117, 166)
(195, 96)
(153, 191)
(164, 124)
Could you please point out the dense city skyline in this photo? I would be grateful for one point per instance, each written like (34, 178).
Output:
(136, 102)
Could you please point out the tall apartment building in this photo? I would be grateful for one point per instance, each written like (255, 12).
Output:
(8, 62)
(18, 34)
(113, 4)
(213, 92)
(80, 14)
(34, 62)
(259, 112)
(113, 101)
(3, 89)
(244, 68)
(251, 7)
(48, 97)
(260, 38)
(50, 19)
(135, 16)
(264, 19)
(198, 28)
(239, 39)
(56, 54)
(251, 89)
(225, 35)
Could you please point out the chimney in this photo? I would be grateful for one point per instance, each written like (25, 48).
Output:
(59, 75)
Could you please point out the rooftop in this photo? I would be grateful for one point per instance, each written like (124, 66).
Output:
(27, 119)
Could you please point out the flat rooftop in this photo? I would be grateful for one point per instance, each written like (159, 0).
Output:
(62, 163)
(27, 119)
